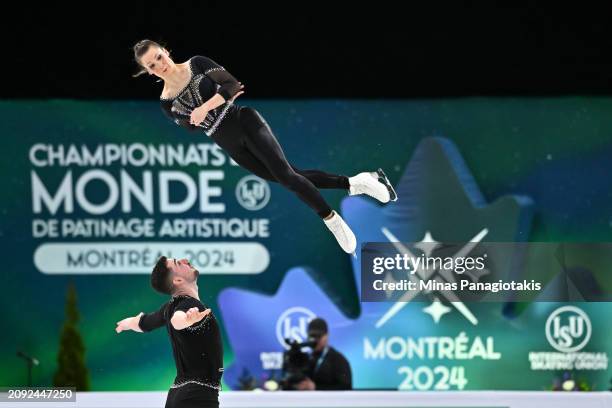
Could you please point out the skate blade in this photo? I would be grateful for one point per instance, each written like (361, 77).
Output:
(382, 177)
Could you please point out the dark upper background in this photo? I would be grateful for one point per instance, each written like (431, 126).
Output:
(314, 49)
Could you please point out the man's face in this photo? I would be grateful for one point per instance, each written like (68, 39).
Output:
(321, 339)
(181, 268)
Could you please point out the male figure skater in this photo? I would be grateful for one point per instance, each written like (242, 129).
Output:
(193, 331)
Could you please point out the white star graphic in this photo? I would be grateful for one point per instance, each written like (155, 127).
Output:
(437, 310)
(427, 244)
(425, 274)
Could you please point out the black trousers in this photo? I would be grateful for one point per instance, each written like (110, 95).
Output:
(192, 396)
(247, 138)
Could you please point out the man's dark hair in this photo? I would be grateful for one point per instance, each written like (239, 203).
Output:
(161, 279)
(317, 327)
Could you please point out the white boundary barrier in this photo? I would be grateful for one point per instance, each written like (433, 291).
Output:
(347, 399)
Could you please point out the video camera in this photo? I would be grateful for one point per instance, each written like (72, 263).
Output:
(295, 363)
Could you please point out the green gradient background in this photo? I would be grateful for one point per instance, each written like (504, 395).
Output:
(557, 151)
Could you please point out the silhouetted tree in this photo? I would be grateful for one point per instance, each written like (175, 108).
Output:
(71, 370)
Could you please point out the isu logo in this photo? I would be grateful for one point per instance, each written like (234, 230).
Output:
(293, 324)
(568, 329)
(252, 193)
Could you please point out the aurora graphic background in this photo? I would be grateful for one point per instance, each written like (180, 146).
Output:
(414, 345)
(524, 169)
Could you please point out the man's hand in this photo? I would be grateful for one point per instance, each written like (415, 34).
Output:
(194, 315)
(306, 385)
(129, 323)
(181, 319)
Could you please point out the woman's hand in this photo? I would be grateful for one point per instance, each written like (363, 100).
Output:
(240, 92)
(198, 115)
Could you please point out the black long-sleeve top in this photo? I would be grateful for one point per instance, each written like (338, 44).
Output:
(333, 373)
(197, 349)
(207, 79)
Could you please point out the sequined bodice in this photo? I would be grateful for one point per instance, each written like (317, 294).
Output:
(207, 79)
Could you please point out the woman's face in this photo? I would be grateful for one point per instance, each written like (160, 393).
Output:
(157, 61)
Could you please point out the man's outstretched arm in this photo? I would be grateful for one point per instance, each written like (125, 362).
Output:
(129, 323)
(143, 322)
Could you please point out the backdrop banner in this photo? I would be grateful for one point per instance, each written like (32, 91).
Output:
(94, 192)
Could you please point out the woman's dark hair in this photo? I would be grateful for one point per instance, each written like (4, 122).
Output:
(161, 279)
(140, 49)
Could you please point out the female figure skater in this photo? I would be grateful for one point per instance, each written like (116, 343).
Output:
(200, 93)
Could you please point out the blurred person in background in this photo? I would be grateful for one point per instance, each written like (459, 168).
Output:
(328, 368)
